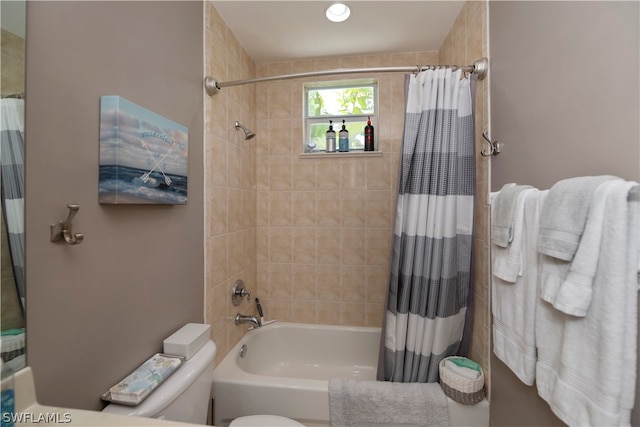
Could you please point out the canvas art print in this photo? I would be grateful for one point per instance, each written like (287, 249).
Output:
(143, 156)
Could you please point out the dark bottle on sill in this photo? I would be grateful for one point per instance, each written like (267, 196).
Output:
(368, 137)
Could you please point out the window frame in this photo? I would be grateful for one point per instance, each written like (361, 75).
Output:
(308, 121)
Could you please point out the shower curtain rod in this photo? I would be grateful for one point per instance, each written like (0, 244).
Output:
(479, 67)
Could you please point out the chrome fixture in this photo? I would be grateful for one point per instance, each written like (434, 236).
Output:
(494, 146)
(248, 133)
(238, 292)
(62, 229)
(254, 321)
(480, 67)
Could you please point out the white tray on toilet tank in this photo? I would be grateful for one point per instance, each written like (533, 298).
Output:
(139, 384)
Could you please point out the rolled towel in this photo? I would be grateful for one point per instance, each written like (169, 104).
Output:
(564, 215)
(502, 211)
(469, 373)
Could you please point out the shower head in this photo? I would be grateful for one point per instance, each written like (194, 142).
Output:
(248, 133)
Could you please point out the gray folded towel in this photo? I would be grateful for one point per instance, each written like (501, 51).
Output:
(564, 215)
(502, 210)
(359, 403)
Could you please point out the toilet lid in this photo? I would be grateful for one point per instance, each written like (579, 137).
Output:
(263, 421)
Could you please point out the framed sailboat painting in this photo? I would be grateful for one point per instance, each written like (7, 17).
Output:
(143, 155)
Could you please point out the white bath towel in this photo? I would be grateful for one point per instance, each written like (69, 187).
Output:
(502, 214)
(357, 403)
(586, 366)
(573, 296)
(514, 304)
(563, 219)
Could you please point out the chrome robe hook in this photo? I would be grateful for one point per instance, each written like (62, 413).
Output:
(494, 147)
(62, 229)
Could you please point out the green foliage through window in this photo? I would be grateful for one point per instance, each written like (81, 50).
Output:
(353, 101)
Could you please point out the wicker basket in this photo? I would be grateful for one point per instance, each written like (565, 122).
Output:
(460, 388)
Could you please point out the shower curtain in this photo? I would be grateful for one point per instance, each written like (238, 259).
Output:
(12, 164)
(430, 269)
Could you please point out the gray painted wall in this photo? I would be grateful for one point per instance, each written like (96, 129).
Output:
(564, 101)
(97, 310)
(564, 90)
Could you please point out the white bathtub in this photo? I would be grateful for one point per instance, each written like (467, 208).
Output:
(286, 370)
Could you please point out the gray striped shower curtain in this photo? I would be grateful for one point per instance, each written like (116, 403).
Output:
(430, 269)
(12, 173)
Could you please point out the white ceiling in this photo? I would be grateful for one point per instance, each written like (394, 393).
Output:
(273, 31)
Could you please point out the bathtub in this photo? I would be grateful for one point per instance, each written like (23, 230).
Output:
(286, 369)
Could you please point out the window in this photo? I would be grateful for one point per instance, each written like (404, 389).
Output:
(353, 101)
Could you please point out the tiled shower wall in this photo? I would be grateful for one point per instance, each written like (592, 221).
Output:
(466, 42)
(324, 227)
(311, 236)
(230, 187)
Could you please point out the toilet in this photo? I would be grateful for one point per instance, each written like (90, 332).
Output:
(185, 396)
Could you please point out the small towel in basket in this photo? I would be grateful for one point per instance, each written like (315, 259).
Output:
(462, 380)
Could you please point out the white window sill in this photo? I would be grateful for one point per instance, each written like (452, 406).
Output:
(342, 154)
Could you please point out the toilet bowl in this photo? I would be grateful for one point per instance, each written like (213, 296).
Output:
(263, 421)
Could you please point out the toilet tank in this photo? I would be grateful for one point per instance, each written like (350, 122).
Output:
(184, 396)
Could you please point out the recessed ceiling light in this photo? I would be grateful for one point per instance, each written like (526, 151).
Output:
(338, 12)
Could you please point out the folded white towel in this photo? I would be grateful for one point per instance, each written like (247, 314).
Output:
(586, 366)
(508, 263)
(502, 210)
(514, 304)
(565, 212)
(357, 403)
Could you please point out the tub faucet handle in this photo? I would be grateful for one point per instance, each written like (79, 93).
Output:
(238, 292)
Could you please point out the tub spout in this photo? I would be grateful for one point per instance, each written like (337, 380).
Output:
(253, 320)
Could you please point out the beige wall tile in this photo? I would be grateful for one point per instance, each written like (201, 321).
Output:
(304, 311)
(304, 245)
(353, 283)
(280, 172)
(353, 247)
(304, 282)
(328, 175)
(280, 208)
(304, 208)
(328, 246)
(280, 241)
(328, 313)
(354, 208)
(328, 283)
(232, 174)
(328, 208)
